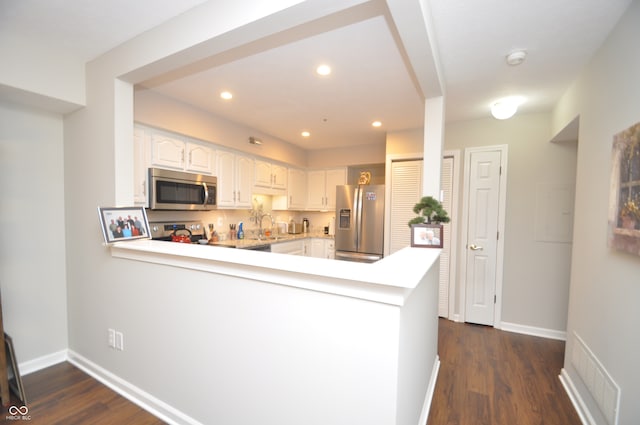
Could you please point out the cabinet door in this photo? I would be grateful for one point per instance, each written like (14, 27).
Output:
(225, 170)
(297, 189)
(263, 175)
(279, 173)
(244, 181)
(199, 158)
(317, 248)
(335, 177)
(291, 247)
(140, 167)
(330, 249)
(316, 189)
(167, 152)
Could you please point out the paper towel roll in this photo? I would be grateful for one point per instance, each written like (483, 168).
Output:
(332, 226)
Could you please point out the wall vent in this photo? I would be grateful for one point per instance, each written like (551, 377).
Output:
(602, 387)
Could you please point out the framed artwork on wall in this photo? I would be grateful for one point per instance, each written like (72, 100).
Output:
(624, 201)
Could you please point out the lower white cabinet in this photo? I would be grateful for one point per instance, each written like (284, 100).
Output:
(290, 247)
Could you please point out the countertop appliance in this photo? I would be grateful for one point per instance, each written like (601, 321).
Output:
(359, 223)
(177, 190)
(163, 230)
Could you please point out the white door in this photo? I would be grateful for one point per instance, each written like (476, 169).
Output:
(483, 201)
(406, 191)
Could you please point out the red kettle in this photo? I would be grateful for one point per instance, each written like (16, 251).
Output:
(181, 238)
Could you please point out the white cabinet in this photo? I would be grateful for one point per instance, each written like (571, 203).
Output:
(290, 247)
(321, 248)
(235, 179)
(321, 187)
(270, 175)
(178, 153)
(140, 166)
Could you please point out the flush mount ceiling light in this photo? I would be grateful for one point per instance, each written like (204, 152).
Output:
(376, 124)
(505, 108)
(226, 95)
(323, 70)
(516, 57)
(305, 134)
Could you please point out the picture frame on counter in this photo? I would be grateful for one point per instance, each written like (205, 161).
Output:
(124, 223)
(426, 235)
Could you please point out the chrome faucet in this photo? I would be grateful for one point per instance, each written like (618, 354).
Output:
(260, 218)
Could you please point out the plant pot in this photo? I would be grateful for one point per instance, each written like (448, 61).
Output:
(628, 223)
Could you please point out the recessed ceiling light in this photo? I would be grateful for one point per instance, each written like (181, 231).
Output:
(305, 134)
(323, 70)
(376, 124)
(226, 95)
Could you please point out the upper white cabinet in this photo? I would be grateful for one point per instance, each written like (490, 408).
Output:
(178, 153)
(297, 189)
(235, 179)
(321, 187)
(270, 175)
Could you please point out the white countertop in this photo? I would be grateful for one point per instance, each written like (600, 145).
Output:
(389, 280)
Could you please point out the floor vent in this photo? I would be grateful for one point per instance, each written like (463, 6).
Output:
(602, 387)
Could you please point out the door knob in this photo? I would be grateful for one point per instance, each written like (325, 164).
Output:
(474, 247)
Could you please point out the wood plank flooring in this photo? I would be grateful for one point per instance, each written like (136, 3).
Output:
(494, 377)
(63, 394)
(486, 377)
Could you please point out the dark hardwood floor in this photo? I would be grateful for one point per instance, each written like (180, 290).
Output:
(63, 394)
(486, 377)
(494, 377)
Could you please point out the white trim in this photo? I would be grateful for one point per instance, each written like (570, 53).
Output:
(502, 207)
(576, 399)
(534, 331)
(426, 407)
(132, 393)
(43, 362)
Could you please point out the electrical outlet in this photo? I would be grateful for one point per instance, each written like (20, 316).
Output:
(119, 341)
(112, 338)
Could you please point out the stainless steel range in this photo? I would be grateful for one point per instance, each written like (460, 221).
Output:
(174, 230)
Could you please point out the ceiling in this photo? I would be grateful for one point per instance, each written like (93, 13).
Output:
(277, 91)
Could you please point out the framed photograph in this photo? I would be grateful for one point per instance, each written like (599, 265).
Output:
(426, 235)
(15, 381)
(124, 224)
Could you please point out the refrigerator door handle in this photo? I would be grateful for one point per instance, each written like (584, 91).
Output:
(358, 218)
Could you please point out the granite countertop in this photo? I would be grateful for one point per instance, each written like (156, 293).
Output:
(253, 242)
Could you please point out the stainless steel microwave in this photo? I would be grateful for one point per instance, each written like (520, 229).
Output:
(176, 190)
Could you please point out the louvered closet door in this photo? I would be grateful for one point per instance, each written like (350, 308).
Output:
(446, 184)
(406, 190)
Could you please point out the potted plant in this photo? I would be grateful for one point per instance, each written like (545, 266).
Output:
(431, 212)
(426, 228)
(630, 213)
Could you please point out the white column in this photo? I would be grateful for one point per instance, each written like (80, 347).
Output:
(433, 142)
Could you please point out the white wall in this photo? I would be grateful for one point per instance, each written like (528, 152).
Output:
(32, 254)
(605, 284)
(536, 274)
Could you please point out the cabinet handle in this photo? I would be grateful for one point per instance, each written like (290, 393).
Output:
(290, 199)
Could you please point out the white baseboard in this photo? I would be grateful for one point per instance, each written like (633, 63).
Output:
(35, 365)
(534, 331)
(576, 399)
(132, 393)
(426, 407)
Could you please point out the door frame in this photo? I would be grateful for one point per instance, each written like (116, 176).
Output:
(464, 251)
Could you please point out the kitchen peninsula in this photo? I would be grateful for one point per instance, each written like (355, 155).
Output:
(310, 340)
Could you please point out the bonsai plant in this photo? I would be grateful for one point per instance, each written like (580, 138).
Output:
(630, 213)
(430, 210)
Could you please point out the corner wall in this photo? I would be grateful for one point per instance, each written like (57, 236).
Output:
(32, 254)
(605, 284)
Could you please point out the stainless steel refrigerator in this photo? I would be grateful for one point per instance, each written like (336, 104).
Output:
(359, 222)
